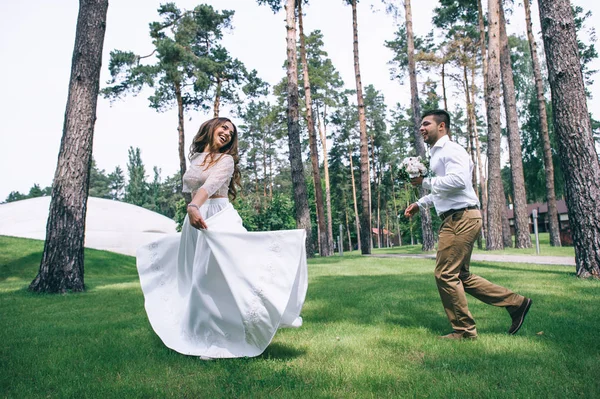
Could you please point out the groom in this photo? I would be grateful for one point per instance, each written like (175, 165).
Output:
(457, 205)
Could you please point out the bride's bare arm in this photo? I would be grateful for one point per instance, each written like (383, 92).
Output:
(193, 209)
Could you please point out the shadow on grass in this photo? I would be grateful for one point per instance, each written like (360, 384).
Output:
(24, 267)
(391, 299)
(532, 268)
(281, 352)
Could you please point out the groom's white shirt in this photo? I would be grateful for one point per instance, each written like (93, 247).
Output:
(452, 184)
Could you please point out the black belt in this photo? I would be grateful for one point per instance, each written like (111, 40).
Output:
(450, 212)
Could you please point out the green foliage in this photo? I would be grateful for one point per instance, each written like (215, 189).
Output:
(260, 142)
(99, 182)
(279, 214)
(326, 84)
(117, 183)
(34, 191)
(266, 214)
(457, 16)
(191, 65)
(399, 46)
(180, 212)
(136, 191)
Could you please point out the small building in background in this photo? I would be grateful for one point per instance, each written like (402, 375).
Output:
(543, 220)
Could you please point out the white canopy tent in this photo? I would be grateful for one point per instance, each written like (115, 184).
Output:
(110, 225)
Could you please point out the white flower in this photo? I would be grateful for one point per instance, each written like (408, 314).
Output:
(414, 167)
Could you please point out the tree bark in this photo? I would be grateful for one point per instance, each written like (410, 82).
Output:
(61, 269)
(507, 240)
(348, 231)
(483, 197)
(217, 102)
(295, 156)
(181, 138)
(471, 123)
(426, 227)
(544, 135)
(264, 164)
(496, 199)
(572, 125)
(324, 249)
(323, 136)
(396, 214)
(484, 67)
(444, 86)
(521, 216)
(355, 202)
(347, 221)
(365, 217)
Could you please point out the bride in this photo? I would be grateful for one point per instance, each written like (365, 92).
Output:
(217, 290)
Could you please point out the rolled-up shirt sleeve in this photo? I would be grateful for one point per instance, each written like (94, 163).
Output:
(425, 202)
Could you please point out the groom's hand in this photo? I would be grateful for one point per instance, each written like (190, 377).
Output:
(411, 210)
(416, 181)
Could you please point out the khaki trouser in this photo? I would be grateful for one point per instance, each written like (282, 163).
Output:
(457, 236)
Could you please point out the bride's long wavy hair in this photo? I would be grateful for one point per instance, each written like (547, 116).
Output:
(204, 142)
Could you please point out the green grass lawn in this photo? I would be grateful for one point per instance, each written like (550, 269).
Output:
(545, 249)
(370, 331)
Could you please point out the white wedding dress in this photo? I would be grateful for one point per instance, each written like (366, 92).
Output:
(223, 292)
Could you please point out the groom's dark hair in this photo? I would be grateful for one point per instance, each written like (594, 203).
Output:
(440, 116)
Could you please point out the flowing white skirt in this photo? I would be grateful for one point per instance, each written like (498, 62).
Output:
(223, 292)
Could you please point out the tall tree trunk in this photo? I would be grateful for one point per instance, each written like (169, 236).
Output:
(379, 229)
(297, 169)
(426, 227)
(181, 138)
(61, 268)
(387, 227)
(496, 198)
(482, 41)
(323, 135)
(483, 197)
(358, 239)
(396, 214)
(544, 135)
(472, 131)
(270, 176)
(365, 217)
(255, 167)
(264, 165)
(521, 216)
(348, 230)
(347, 220)
(506, 233)
(312, 139)
(217, 102)
(484, 67)
(444, 86)
(470, 134)
(572, 125)
(374, 180)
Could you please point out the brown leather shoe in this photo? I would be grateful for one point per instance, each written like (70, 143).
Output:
(458, 335)
(518, 316)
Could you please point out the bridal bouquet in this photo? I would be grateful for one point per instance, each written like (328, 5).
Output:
(413, 167)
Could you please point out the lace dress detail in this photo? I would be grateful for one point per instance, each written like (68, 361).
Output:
(214, 179)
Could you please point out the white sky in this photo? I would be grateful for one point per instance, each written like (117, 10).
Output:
(36, 44)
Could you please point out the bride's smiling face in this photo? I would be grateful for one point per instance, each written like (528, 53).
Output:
(223, 134)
